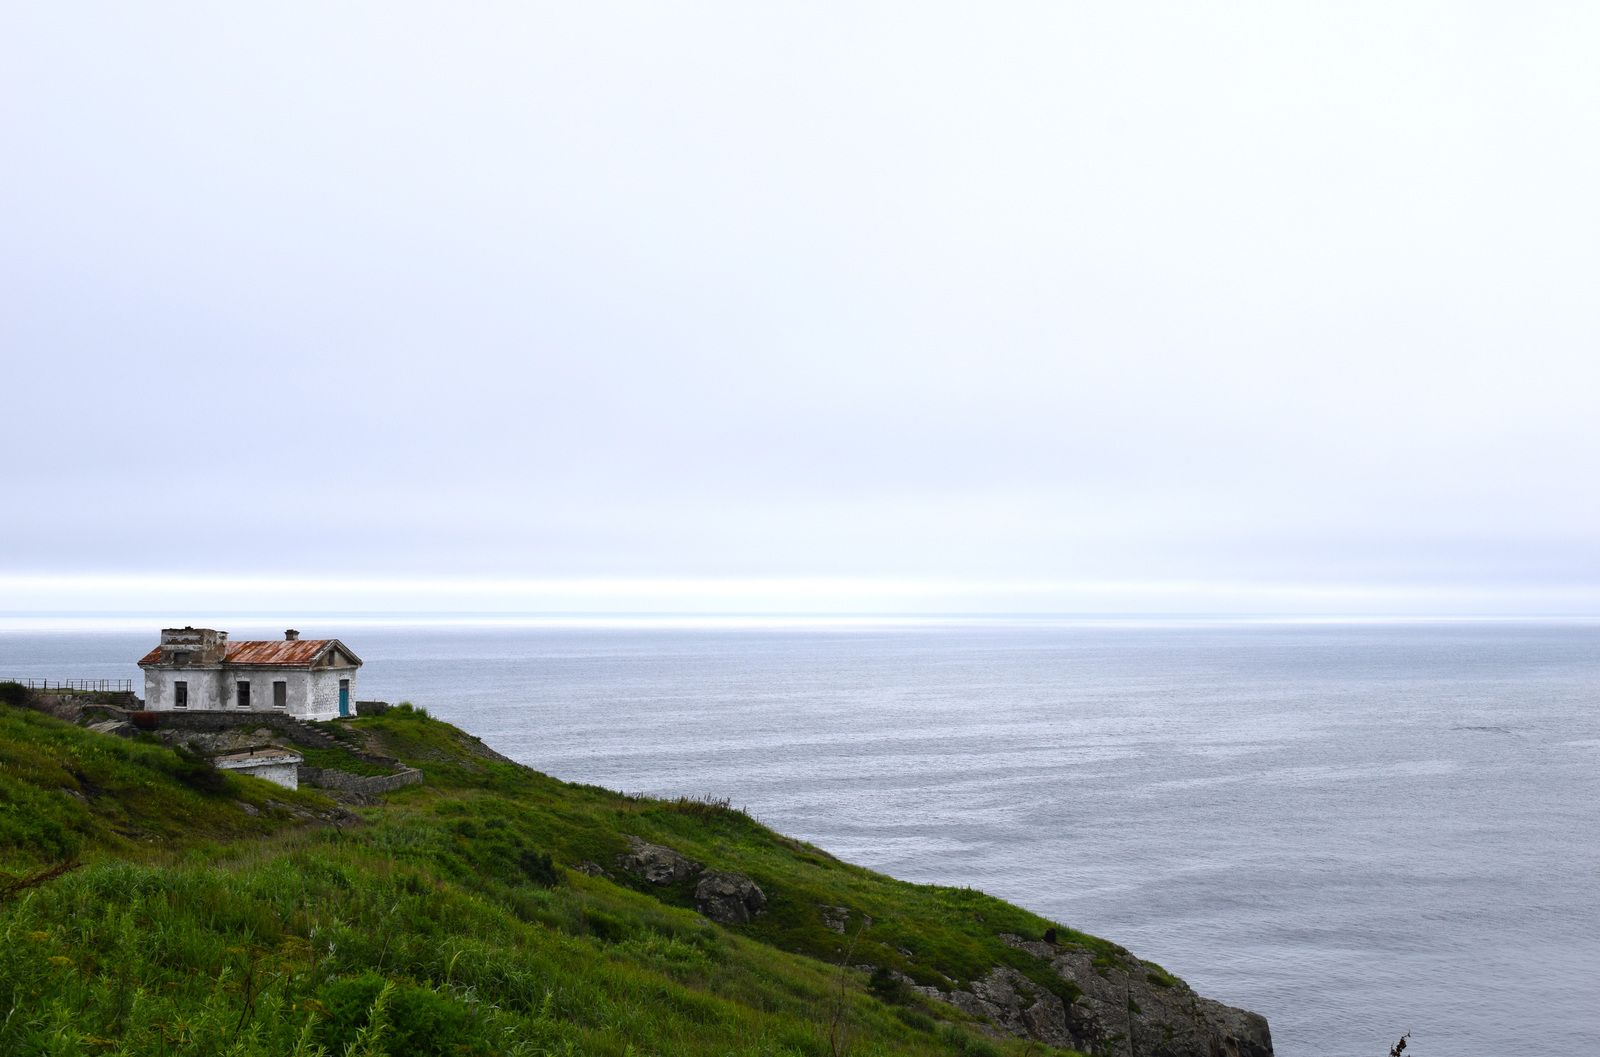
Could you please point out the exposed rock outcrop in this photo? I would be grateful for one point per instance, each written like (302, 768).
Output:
(729, 898)
(721, 895)
(1107, 1002)
(1117, 1002)
(1010, 1002)
(656, 863)
(836, 918)
(1163, 1014)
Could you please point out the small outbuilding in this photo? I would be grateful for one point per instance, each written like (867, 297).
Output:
(275, 765)
(198, 669)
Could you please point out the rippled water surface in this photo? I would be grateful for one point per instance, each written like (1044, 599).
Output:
(1356, 830)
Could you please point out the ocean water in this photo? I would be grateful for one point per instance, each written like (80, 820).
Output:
(1356, 830)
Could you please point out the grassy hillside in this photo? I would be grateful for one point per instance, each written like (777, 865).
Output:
(219, 914)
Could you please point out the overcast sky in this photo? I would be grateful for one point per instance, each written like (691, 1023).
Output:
(758, 306)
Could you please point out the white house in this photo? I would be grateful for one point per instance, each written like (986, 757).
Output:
(197, 668)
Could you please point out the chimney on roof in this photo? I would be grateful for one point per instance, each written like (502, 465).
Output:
(291, 636)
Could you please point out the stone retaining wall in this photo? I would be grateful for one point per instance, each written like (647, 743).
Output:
(213, 720)
(70, 705)
(301, 733)
(329, 778)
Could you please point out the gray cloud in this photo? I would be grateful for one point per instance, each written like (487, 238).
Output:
(1243, 295)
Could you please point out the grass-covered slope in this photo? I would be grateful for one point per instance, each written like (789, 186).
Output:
(950, 932)
(65, 792)
(218, 914)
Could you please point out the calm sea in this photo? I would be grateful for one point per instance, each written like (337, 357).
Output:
(1355, 829)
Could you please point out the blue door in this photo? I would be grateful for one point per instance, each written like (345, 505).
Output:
(344, 697)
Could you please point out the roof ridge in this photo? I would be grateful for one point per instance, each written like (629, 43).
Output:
(288, 653)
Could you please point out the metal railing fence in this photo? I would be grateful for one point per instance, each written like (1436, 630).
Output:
(89, 686)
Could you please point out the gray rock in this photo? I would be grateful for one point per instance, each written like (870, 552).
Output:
(731, 898)
(1125, 1000)
(1010, 1002)
(1121, 1003)
(592, 869)
(249, 809)
(1026, 1008)
(656, 863)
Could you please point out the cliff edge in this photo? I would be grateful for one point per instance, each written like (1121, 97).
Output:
(144, 893)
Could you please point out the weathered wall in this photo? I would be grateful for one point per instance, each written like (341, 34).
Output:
(299, 692)
(309, 694)
(69, 705)
(202, 645)
(284, 774)
(234, 718)
(324, 692)
(261, 679)
(357, 783)
(207, 687)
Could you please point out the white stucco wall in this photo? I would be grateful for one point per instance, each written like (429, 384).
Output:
(299, 689)
(311, 694)
(206, 687)
(324, 703)
(217, 688)
(296, 681)
(286, 774)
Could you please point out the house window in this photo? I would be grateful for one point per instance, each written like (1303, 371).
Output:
(244, 695)
(180, 695)
(181, 657)
(280, 695)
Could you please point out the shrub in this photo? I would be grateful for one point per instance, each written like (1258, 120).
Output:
(605, 926)
(886, 986)
(420, 1022)
(198, 773)
(539, 868)
(13, 694)
(35, 831)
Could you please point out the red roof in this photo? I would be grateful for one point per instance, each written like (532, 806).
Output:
(297, 654)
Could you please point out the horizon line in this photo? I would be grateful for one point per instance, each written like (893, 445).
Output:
(13, 621)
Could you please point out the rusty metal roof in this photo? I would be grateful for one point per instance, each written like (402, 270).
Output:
(298, 653)
(277, 652)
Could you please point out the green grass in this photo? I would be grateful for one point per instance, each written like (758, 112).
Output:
(195, 928)
(65, 791)
(341, 759)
